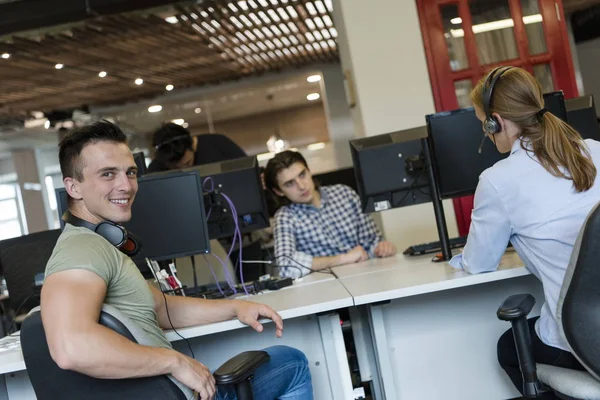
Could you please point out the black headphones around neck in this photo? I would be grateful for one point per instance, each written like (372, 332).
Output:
(491, 125)
(116, 234)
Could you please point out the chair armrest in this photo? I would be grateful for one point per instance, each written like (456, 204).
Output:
(515, 309)
(240, 367)
(516, 306)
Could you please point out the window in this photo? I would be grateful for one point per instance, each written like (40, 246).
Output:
(10, 224)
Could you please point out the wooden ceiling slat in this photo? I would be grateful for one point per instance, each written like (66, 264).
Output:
(128, 46)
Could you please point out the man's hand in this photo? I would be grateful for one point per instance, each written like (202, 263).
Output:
(384, 249)
(196, 376)
(357, 254)
(249, 313)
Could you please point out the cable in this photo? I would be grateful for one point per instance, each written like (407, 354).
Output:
(175, 330)
(17, 313)
(302, 266)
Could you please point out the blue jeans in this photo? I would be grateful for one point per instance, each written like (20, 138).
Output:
(286, 376)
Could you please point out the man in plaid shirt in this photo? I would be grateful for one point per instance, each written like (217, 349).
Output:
(318, 228)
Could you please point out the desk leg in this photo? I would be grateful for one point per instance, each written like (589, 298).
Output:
(365, 353)
(336, 357)
(382, 352)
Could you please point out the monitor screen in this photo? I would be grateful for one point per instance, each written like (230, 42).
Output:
(455, 137)
(167, 215)
(582, 116)
(238, 179)
(390, 169)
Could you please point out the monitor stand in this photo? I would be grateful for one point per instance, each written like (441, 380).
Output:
(438, 209)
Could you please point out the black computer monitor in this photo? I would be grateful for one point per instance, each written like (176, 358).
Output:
(390, 169)
(455, 137)
(238, 179)
(343, 176)
(581, 113)
(167, 215)
(555, 103)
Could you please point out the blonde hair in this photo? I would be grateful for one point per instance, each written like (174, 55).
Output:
(517, 97)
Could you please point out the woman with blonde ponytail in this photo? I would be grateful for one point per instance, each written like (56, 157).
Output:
(537, 198)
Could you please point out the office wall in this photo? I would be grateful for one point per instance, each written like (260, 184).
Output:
(386, 61)
(588, 54)
(301, 126)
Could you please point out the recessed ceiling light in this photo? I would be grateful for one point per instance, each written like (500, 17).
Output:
(316, 146)
(172, 19)
(139, 81)
(47, 124)
(59, 66)
(102, 74)
(185, 125)
(198, 110)
(169, 87)
(313, 96)
(155, 108)
(313, 78)
(5, 55)
(178, 121)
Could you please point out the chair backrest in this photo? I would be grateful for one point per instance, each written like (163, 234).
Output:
(51, 382)
(579, 302)
(21, 258)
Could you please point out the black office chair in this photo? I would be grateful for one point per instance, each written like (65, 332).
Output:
(51, 382)
(21, 259)
(579, 317)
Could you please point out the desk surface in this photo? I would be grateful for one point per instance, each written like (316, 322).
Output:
(313, 294)
(402, 276)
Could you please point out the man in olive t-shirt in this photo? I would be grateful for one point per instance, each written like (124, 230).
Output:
(85, 271)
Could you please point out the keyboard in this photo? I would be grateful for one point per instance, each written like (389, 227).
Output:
(434, 247)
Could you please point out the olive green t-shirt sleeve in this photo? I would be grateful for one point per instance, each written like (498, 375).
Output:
(86, 251)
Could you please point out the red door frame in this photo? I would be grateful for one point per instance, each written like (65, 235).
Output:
(558, 56)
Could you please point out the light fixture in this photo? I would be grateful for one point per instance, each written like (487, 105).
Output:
(495, 25)
(59, 66)
(5, 55)
(154, 109)
(313, 96)
(139, 81)
(198, 110)
(313, 78)
(316, 146)
(178, 121)
(456, 21)
(185, 125)
(47, 124)
(102, 74)
(172, 19)
(169, 87)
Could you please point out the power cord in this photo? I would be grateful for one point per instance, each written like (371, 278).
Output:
(175, 330)
(17, 313)
(301, 265)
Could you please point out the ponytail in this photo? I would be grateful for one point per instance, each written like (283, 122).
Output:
(561, 151)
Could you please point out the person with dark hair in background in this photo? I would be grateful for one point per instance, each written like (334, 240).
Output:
(86, 270)
(538, 199)
(318, 227)
(176, 148)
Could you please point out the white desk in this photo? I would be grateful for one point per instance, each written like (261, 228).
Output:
(311, 325)
(433, 329)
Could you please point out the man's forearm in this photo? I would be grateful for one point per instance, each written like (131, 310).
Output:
(112, 356)
(320, 263)
(187, 311)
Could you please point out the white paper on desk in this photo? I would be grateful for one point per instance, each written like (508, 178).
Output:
(8, 343)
